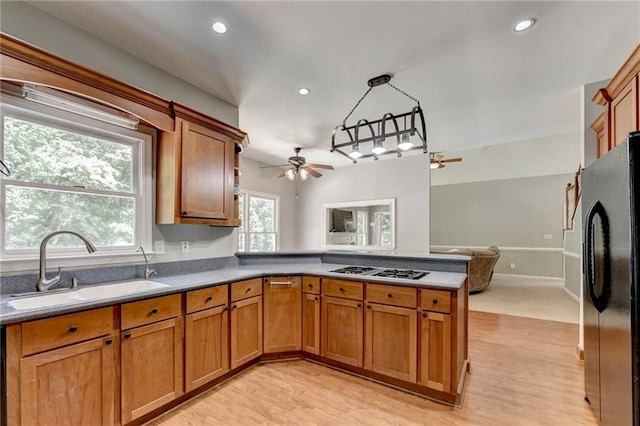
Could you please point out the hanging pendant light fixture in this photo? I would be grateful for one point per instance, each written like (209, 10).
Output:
(413, 126)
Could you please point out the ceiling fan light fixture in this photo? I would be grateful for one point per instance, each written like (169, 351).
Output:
(378, 146)
(434, 166)
(405, 142)
(304, 91)
(290, 174)
(303, 174)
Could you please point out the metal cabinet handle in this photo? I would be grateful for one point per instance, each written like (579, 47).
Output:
(434, 301)
(209, 299)
(248, 290)
(284, 283)
(310, 285)
(108, 341)
(424, 315)
(185, 213)
(368, 306)
(389, 295)
(127, 335)
(73, 328)
(226, 308)
(154, 310)
(341, 289)
(315, 298)
(359, 305)
(235, 306)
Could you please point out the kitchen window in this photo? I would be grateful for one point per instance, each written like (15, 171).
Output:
(259, 219)
(74, 173)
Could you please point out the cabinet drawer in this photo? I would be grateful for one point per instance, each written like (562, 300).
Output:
(198, 300)
(50, 333)
(340, 288)
(311, 285)
(244, 289)
(406, 297)
(135, 314)
(435, 300)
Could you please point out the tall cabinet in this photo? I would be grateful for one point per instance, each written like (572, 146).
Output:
(620, 100)
(198, 171)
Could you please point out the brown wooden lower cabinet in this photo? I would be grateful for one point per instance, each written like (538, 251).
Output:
(74, 385)
(435, 351)
(206, 346)
(342, 330)
(246, 330)
(152, 367)
(282, 314)
(311, 323)
(391, 341)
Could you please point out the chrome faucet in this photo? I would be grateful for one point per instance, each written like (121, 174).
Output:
(147, 272)
(43, 283)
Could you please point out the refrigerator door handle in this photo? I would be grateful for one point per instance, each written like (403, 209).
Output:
(600, 301)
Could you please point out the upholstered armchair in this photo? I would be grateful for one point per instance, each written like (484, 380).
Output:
(480, 267)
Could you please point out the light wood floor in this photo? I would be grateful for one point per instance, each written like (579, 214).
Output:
(523, 372)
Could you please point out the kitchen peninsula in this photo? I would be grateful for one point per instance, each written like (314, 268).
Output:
(213, 322)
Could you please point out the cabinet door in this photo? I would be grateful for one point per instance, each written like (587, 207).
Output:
(391, 341)
(282, 314)
(624, 114)
(435, 351)
(246, 330)
(342, 330)
(207, 173)
(311, 323)
(151, 363)
(75, 385)
(206, 346)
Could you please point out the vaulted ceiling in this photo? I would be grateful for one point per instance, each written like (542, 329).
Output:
(479, 82)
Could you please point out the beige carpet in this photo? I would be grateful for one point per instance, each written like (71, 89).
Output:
(527, 297)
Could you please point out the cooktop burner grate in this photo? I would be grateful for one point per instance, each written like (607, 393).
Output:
(406, 274)
(354, 270)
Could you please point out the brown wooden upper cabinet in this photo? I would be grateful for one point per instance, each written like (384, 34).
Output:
(196, 171)
(621, 102)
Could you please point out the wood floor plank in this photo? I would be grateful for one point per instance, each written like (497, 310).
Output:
(523, 373)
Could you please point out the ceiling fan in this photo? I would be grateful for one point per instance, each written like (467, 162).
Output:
(298, 166)
(437, 161)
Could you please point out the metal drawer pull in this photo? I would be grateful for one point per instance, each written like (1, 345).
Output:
(341, 289)
(108, 341)
(209, 299)
(424, 315)
(359, 305)
(315, 298)
(389, 295)
(284, 283)
(434, 301)
(248, 290)
(73, 328)
(154, 311)
(226, 308)
(127, 335)
(310, 285)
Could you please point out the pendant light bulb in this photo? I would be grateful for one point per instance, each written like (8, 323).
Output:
(405, 143)
(378, 146)
(303, 174)
(290, 174)
(355, 153)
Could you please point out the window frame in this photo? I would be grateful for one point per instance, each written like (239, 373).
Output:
(141, 140)
(243, 229)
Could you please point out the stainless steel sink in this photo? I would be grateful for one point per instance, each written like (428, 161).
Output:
(106, 291)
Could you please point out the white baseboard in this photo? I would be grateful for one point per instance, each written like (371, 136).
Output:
(531, 277)
(573, 296)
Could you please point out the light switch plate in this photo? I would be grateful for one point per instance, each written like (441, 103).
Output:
(159, 247)
(185, 246)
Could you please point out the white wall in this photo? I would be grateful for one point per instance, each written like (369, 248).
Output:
(406, 179)
(266, 180)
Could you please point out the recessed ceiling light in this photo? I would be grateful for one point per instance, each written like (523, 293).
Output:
(219, 27)
(523, 25)
(304, 91)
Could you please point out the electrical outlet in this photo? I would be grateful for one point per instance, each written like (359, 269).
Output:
(512, 265)
(159, 247)
(185, 246)
(548, 236)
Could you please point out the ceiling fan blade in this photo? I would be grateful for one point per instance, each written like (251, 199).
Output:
(312, 172)
(437, 158)
(279, 165)
(282, 174)
(452, 160)
(441, 166)
(319, 166)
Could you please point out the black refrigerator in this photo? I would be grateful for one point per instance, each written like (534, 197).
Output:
(610, 191)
